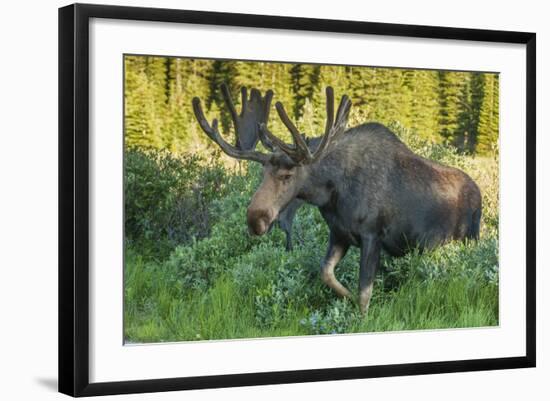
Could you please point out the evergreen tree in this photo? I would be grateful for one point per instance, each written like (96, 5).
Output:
(222, 71)
(476, 99)
(488, 126)
(188, 78)
(251, 75)
(330, 75)
(144, 101)
(279, 79)
(449, 99)
(305, 82)
(421, 107)
(389, 100)
(464, 127)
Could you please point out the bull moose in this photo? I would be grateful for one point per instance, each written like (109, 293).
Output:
(371, 189)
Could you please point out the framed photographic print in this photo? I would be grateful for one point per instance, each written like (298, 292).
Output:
(250, 199)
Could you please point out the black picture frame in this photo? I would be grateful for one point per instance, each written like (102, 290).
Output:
(74, 198)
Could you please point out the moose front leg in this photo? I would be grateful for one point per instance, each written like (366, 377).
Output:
(335, 252)
(288, 245)
(286, 218)
(370, 259)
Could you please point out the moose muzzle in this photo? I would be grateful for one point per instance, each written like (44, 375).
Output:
(259, 220)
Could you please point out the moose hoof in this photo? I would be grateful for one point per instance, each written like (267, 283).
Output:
(363, 308)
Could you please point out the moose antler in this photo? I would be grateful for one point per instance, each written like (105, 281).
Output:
(300, 152)
(254, 111)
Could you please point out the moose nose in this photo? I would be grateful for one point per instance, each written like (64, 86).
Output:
(258, 221)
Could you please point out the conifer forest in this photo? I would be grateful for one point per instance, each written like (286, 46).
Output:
(457, 108)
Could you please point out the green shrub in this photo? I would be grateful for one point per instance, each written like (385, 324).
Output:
(335, 318)
(167, 199)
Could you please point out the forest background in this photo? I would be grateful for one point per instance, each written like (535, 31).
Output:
(457, 108)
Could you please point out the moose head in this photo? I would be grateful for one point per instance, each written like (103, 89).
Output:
(286, 175)
(286, 170)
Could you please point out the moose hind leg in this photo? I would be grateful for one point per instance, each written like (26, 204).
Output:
(335, 252)
(370, 259)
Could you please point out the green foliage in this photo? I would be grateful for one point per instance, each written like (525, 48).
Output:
(459, 108)
(167, 199)
(305, 81)
(216, 282)
(337, 318)
(489, 115)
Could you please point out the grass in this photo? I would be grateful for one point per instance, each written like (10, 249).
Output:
(223, 311)
(451, 303)
(267, 292)
(227, 285)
